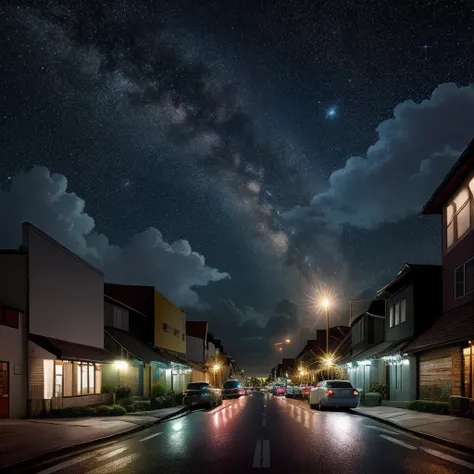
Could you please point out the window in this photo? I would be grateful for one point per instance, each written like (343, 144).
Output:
(458, 214)
(397, 313)
(176, 332)
(58, 379)
(182, 337)
(165, 327)
(464, 279)
(403, 311)
(9, 317)
(88, 381)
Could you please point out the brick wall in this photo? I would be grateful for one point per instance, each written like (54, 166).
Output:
(435, 374)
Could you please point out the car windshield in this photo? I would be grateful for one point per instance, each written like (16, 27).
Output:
(339, 384)
(197, 385)
(232, 384)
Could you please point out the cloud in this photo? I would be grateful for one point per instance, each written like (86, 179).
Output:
(414, 151)
(43, 199)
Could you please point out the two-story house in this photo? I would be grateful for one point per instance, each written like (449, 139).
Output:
(413, 302)
(362, 343)
(61, 300)
(446, 349)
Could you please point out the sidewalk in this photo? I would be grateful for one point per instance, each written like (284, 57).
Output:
(449, 430)
(21, 440)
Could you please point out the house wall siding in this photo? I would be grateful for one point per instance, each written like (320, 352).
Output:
(195, 349)
(435, 379)
(167, 313)
(13, 280)
(66, 299)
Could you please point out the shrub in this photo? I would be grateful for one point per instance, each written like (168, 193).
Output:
(123, 391)
(178, 398)
(103, 410)
(429, 406)
(73, 412)
(117, 410)
(158, 391)
(106, 389)
(380, 388)
(125, 402)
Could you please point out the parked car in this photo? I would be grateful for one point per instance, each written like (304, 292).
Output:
(292, 391)
(334, 393)
(279, 389)
(305, 390)
(201, 393)
(232, 389)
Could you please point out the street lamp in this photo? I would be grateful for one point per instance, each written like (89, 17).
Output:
(326, 303)
(288, 341)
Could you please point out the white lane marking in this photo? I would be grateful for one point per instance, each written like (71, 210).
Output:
(114, 465)
(266, 453)
(151, 436)
(449, 458)
(65, 464)
(397, 441)
(264, 422)
(113, 453)
(256, 456)
(383, 430)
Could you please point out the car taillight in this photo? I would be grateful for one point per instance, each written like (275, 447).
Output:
(355, 392)
(329, 392)
(185, 392)
(241, 390)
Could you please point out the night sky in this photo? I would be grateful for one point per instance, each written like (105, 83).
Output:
(240, 156)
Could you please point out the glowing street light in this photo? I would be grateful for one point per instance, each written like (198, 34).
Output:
(216, 367)
(288, 341)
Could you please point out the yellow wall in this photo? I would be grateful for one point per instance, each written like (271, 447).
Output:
(167, 313)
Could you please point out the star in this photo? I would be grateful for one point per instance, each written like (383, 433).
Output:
(331, 112)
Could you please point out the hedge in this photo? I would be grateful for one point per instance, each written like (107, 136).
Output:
(429, 406)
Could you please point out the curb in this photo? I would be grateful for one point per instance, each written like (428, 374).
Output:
(451, 444)
(41, 458)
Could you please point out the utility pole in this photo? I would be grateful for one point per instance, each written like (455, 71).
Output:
(327, 330)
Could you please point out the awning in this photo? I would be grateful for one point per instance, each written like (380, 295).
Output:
(67, 350)
(138, 349)
(454, 327)
(383, 349)
(180, 360)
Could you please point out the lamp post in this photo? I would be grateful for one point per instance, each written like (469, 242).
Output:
(326, 304)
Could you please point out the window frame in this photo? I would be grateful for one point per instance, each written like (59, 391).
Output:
(455, 280)
(453, 221)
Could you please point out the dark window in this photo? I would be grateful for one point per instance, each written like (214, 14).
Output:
(182, 337)
(469, 276)
(459, 282)
(197, 385)
(165, 327)
(9, 317)
(232, 384)
(339, 385)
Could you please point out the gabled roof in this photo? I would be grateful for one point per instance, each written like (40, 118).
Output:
(452, 327)
(452, 181)
(196, 329)
(407, 274)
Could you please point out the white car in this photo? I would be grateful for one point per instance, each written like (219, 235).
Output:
(334, 393)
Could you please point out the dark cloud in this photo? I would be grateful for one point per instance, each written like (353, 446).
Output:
(44, 200)
(414, 151)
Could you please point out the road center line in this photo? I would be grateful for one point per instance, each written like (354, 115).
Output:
(256, 456)
(264, 422)
(113, 453)
(449, 458)
(65, 464)
(383, 430)
(114, 466)
(266, 453)
(397, 441)
(151, 436)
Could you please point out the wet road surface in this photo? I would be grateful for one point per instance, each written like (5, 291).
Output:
(265, 432)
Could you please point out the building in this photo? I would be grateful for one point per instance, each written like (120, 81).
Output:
(13, 363)
(61, 298)
(413, 303)
(165, 325)
(445, 351)
(196, 341)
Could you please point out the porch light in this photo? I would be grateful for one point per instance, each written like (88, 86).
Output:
(405, 362)
(121, 364)
(216, 367)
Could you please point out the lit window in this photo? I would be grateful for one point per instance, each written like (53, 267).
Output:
(391, 319)
(403, 311)
(458, 215)
(58, 379)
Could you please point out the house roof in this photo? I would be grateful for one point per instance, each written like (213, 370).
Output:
(70, 350)
(123, 305)
(196, 329)
(408, 272)
(452, 181)
(139, 349)
(452, 327)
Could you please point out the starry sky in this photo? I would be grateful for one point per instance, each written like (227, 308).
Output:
(241, 156)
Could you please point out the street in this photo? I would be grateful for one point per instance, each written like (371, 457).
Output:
(262, 431)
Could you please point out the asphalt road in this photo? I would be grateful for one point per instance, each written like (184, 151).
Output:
(265, 432)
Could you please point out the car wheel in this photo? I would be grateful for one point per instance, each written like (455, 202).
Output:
(312, 406)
